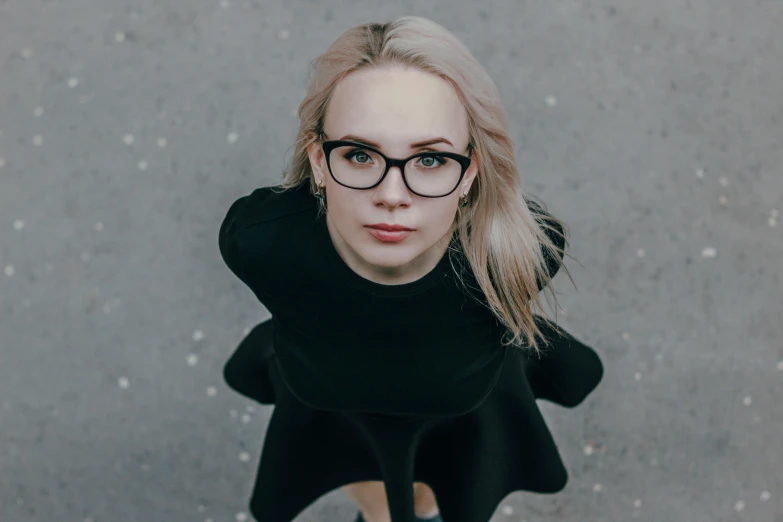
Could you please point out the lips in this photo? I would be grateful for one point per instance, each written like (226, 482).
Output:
(388, 236)
(389, 228)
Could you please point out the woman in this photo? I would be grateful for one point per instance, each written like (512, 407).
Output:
(401, 263)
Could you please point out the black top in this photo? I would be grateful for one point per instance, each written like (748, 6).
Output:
(342, 353)
(347, 343)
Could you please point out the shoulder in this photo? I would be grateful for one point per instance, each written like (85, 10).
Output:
(246, 216)
(555, 232)
(266, 204)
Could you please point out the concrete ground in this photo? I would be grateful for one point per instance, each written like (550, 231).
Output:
(654, 129)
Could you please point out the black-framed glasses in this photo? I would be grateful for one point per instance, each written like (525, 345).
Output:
(361, 167)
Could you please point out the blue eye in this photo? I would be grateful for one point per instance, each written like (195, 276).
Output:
(439, 159)
(356, 152)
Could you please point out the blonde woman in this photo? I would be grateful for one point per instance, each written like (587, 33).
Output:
(401, 262)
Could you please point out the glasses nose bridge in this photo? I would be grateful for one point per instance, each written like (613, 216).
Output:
(399, 163)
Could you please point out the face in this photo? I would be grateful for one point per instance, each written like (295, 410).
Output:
(392, 108)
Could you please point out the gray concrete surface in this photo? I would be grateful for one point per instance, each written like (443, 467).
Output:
(655, 129)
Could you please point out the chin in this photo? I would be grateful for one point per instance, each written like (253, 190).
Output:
(392, 255)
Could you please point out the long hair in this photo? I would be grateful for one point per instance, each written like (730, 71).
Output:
(501, 239)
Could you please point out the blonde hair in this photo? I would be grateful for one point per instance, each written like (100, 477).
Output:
(502, 240)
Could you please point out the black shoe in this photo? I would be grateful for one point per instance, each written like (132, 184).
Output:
(436, 518)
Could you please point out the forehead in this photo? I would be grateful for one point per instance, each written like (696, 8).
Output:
(395, 107)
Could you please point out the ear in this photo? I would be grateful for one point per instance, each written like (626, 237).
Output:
(317, 160)
(470, 174)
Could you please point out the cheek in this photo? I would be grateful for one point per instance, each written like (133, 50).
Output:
(345, 209)
(444, 213)
(438, 220)
(341, 199)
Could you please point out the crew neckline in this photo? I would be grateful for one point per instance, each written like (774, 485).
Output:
(346, 274)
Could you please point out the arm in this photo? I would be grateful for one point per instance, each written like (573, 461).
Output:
(227, 238)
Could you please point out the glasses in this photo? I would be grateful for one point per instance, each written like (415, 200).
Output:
(361, 167)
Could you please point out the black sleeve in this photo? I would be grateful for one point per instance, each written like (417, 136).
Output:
(553, 259)
(227, 238)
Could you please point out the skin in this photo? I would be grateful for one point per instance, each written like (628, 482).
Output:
(392, 107)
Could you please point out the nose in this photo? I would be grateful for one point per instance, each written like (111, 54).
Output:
(393, 188)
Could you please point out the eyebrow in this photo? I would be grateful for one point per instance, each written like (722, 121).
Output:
(419, 145)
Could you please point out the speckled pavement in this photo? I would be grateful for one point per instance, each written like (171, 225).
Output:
(654, 129)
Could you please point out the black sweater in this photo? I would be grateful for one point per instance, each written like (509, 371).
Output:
(344, 342)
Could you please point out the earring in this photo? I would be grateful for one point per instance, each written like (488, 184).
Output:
(464, 200)
(320, 197)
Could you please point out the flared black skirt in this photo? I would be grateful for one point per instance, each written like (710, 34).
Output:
(471, 461)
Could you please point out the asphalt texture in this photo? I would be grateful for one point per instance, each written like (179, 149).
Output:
(653, 129)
